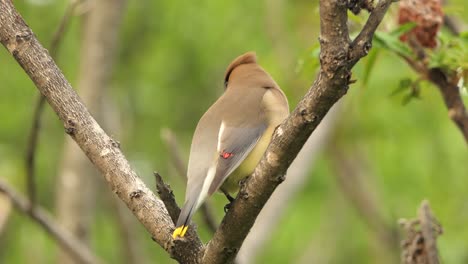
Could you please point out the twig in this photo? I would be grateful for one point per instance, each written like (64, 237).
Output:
(62, 28)
(362, 44)
(428, 223)
(349, 174)
(176, 156)
(65, 239)
(452, 25)
(167, 196)
(175, 152)
(208, 216)
(130, 244)
(38, 110)
(420, 246)
(452, 98)
(445, 82)
(31, 152)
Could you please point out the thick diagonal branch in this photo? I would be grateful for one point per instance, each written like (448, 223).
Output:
(100, 148)
(330, 85)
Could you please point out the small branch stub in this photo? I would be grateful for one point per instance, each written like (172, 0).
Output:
(420, 245)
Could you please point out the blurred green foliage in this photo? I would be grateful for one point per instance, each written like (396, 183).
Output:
(172, 56)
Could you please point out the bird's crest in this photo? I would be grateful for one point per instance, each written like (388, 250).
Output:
(246, 58)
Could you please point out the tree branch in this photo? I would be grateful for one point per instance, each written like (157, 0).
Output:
(64, 238)
(420, 246)
(30, 160)
(330, 85)
(452, 98)
(446, 80)
(298, 173)
(167, 196)
(447, 86)
(101, 149)
(362, 44)
(350, 170)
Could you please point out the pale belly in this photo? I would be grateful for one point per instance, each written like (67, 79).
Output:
(231, 184)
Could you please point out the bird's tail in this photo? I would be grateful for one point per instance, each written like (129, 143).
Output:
(184, 219)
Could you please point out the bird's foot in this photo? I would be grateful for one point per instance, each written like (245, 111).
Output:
(231, 200)
(227, 207)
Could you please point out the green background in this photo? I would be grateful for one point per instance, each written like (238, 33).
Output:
(169, 70)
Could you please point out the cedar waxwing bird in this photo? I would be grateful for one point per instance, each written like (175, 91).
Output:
(232, 136)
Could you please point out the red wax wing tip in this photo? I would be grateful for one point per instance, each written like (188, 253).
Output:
(226, 155)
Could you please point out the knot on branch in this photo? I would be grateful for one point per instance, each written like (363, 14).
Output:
(333, 58)
(115, 143)
(136, 194)
(229, 252)
(307, 116)
(281, 178)
(366, 46)
(21, 38)
(357, 5)
(70, 127)
(420, 245)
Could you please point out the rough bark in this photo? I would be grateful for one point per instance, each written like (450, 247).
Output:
(452, 98)
(298, 173)
(76, 185)
(100, 148)
(338, 55)
(420, 245)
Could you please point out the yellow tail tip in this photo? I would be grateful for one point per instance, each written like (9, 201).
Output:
(180, 231)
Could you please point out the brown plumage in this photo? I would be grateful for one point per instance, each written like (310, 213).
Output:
(233, 134)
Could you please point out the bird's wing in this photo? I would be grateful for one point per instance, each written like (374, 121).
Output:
(234, 144)
(242, 126)
(228, 133)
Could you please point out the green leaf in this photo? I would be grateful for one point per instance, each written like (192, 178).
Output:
(451, 54)
(369, 65)
(404, 85)
(392, 42)
(402, 29)
(410, 88)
